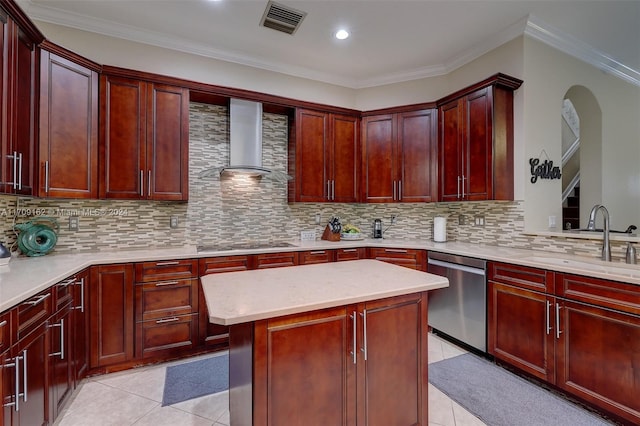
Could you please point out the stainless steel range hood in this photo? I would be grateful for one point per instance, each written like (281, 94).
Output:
(245, 140)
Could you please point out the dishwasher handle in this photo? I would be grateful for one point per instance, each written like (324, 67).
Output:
(469, 269)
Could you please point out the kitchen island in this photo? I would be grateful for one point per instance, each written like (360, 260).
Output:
(339, 343)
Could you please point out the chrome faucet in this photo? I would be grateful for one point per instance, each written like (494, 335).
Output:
(606, 244)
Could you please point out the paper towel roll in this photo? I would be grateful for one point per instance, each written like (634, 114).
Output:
(439, 229)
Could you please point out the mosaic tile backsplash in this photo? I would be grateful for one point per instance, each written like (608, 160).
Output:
(222, 211)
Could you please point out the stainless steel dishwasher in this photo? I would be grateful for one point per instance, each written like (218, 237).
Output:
(460, 310)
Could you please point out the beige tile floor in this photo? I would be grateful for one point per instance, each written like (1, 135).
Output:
(134, 398)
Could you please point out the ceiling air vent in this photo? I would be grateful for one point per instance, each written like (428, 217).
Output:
(282, 18)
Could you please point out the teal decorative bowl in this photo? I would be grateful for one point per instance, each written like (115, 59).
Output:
(37, 237)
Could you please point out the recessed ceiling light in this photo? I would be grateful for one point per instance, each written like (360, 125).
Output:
(342, 34)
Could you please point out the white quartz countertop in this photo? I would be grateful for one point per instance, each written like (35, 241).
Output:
(24, 277)
(238, 297)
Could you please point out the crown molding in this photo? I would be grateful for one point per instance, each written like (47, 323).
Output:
(530, 26)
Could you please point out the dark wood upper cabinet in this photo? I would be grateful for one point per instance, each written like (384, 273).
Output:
(68, 128)
(18, 109)
(399, 157)
(325, 157)
(476, 142)
(144, 140)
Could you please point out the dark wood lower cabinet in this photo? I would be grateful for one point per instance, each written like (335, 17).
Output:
(338, 366)
(61, 365)
(81, 326)
(598, 358)
(111, 315)
(409, 258)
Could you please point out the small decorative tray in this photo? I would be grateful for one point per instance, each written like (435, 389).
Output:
(352, 237)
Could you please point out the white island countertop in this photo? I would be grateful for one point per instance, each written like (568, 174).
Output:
(238, 297)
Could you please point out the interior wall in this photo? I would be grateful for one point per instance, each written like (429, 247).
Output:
(548, 75)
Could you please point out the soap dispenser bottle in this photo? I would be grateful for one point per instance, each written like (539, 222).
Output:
(631, 254)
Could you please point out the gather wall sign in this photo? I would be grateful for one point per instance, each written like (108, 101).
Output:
(543, 169)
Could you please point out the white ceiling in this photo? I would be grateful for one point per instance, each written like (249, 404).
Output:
(391, 40)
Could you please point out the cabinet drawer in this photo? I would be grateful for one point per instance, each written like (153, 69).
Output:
(165, 270)
(316, 256)
(166, 298)
(5, 331)
(522, 276)
(607, 294)
(350, 254)
(33, 313)
(214, 265)
(276, 260)
(63, 292)
(165, 336)
(409, 258)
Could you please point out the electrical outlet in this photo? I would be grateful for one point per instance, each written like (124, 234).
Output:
(173, 222)
(479, 220)
(462, 220)
(552, 221)
(394, 219)
(74, 223)
(317, 218)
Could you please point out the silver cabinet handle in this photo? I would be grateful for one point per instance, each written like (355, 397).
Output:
(67, 283)
(162, 321)
(37, 300)
(364, 335)
(46, 176)
(549, 328)
(3, 323)
(318, 252)
(61, 352)
(15, 169)
(388, 250)
(24, 377)
(458, 194)
(149, 184)
(165, 283)
(394, 190)
(170, 263)
(463, 179)
(328, 190)
(399, 190)
(81, 307)
(16, 388)
(349, 250)
(20, 171)
(142, 183)
(558, 331)
(333, 190)
(354, 351)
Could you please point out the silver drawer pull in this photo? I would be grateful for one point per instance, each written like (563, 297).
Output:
(3, 323)
(67, 283)
(81, 307)
(172, 263)
(61, 353)
(162, 321)
(349, 250)
(395, 251)
(318, 252)
(162, 284)
(37, 300)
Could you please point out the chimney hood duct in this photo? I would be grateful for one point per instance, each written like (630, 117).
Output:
(245, 140)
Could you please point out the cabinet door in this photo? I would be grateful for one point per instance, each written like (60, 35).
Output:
(597, 358)
(301, 358)
(275, 260)
(33, 354)
(521, 329)
(167, 160)
(409, 258)
(123, 138)
(61, 374)
(68, 128)
(478, 160)
(378, 146)
(350, 254)
(417, 156)
(450, 151)
(345, 158)
(215, 334)
(394, 358)
(111, 314)
(81, 326)
(312, 162)
(166, 336)
(316, 256)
